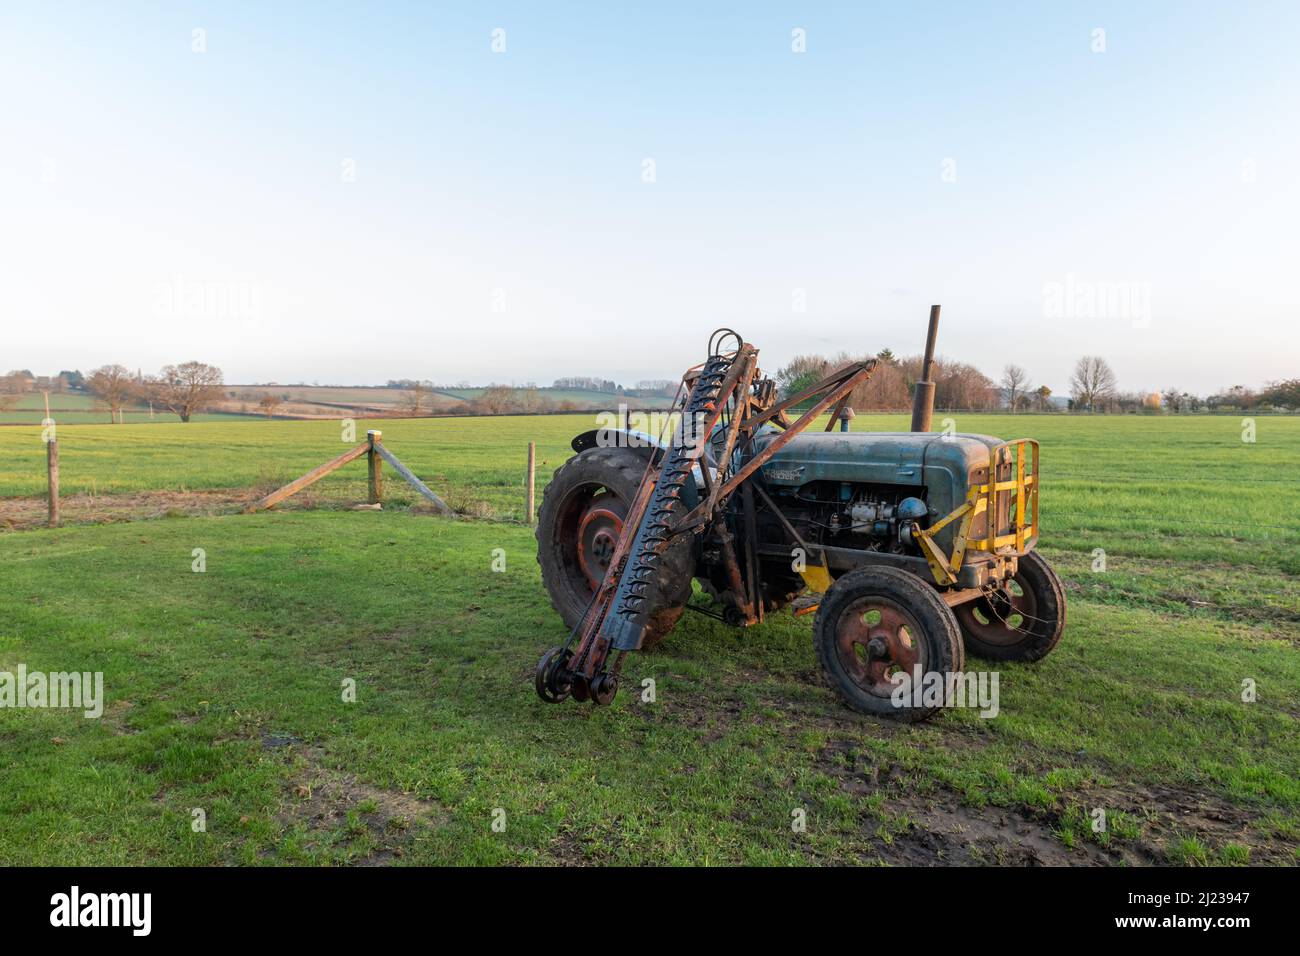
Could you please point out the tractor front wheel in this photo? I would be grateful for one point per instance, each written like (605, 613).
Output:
(879, 628)
(1021, 622)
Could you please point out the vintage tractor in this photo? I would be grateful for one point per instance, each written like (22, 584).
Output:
(913, 547)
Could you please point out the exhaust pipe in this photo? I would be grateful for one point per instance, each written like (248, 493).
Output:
(923, 399)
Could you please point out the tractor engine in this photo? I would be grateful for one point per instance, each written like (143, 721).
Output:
(850, 515)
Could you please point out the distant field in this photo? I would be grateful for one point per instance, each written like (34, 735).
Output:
(579, 397)
(299, 401)
(328, 396)
(68, 408)
(36, 400)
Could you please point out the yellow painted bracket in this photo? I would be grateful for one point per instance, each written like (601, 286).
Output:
(817, 577)
(984, 498)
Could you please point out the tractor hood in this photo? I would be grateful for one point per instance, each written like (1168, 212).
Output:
(943, 465)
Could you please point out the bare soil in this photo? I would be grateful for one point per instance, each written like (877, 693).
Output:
(24, 514)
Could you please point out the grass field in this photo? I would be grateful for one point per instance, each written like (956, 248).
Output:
(580, 397)
(224, 687)
(69, 408)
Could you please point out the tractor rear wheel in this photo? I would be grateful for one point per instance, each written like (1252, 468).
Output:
(578, 525)
(1022, 622)
(874, 628)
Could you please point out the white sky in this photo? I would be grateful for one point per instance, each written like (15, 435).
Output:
(160, 204)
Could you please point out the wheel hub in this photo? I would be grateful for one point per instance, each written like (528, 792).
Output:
(599, 528)
(1002, 617)
(876, 641)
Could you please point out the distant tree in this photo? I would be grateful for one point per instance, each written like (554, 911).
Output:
(268, 403)
(957, 385)
(1015, 383)
(417, 399)
(1239, 397)
(803, 372)
(884, 391)
(584, 383)
(1042, 398)
(886, 357)
(113, 387)
(528, 400)
(73, 380)
(1124, 401)
(185, 389)
(9, 390)
(20, 380)
(1093, 382)
(495, 400)
(1284, 394)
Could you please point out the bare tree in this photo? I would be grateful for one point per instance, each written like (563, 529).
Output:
(528, 400)
(20, 381)
(1092, 383)
(417, 399)
(496, 400)
(113, 387)
(268, 403)
(186, 388)
(884, 391)
(1015, 382)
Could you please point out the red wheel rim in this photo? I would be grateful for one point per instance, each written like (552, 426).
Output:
(599, 525)
(875, 640)
(1004, 618)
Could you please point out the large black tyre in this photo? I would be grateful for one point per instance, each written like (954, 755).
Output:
(876, 622)
(581, 515)
(1022, 625)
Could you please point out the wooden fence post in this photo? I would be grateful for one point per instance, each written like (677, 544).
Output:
(375, 464)
(316, 474)
(52, 465)
(532, 472)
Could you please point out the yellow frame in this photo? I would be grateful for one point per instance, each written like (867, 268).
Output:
(985, 497)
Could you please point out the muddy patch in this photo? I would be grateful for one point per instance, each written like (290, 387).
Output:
(1168, 815)
(364, 823)
(117, 715)
(21, 514)
(940, 831)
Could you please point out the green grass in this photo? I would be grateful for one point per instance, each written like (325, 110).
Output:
(63, 401)
(33, 417)
(71, 408)
(224, 689)
(1183, 489)
(581, 398)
